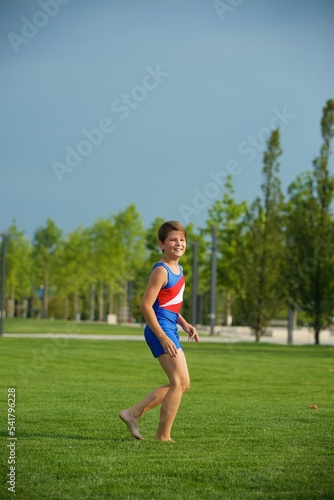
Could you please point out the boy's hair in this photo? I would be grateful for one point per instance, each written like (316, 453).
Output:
(168, 227)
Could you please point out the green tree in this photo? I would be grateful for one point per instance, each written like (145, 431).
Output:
(153, 252)
(105, 262)
(46, 243)
(18, 268)
(226, 215)
(310, 235)
(74, 266)
(130, 237)
(261, 249)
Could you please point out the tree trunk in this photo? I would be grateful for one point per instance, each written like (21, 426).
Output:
(258, 327)
(126, 301)
(46, 295)
(101, 303)
(317, 337)
(91, 302)
(228, 309)
(76, 305)
(13, 299)
(31, 305)
(24, 308)
(111, 299)
(11, 303)
(65, 308)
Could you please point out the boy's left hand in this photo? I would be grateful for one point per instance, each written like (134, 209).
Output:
(192, 333)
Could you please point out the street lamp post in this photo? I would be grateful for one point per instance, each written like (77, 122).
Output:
(291, 318)
(194, 285)
(213, 281)
(3, 280)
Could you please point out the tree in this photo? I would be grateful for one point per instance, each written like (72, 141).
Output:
(105, 262)
(130, 240)
(310, 235)
(46, 243)
(261, 250)
(154, 253)
(74, 267)
(18, 267)
(226, 215)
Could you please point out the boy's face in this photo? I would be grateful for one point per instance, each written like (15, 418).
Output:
(174, 245)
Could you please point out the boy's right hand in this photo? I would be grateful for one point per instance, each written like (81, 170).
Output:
(169, 347)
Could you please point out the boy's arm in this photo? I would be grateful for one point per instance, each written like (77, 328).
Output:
(157, 280)
(188, 328)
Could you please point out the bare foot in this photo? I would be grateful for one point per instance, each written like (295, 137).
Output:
(132, 424)
(170, 440)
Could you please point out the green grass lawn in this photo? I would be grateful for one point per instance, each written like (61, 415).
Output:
(243, 431)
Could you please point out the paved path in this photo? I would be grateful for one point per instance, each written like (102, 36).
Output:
(279, 336)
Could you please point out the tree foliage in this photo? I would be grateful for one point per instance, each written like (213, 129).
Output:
(46, 243)
(310, 235)
(18, 266)
(261, 249)
(226, 215)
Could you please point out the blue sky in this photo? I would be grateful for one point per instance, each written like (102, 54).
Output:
(106, 103)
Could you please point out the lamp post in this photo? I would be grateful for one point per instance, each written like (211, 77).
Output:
(291, 320)
(194, 285)
(3, 280)
(213, 281)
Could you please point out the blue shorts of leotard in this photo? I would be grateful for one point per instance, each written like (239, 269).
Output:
(154, 343)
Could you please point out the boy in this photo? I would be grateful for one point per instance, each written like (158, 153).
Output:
(160, 306)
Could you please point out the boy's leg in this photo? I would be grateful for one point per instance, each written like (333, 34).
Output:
(177, 372)
(132, 415)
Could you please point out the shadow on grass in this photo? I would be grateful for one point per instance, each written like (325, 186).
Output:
(25, 435)
(115, 439)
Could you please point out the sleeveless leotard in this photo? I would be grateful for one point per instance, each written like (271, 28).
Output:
(166, 307)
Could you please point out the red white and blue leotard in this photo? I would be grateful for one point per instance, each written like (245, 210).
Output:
(166, 307)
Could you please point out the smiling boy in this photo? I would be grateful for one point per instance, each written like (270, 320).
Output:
(160, 306)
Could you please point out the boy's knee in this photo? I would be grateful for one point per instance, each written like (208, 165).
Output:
(186, 385)
(183, 385)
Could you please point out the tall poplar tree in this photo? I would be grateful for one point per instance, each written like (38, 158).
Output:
(74, 266)
(105, 262)
(18, 268)
(310, 235)
(260, 253)
(46, 243)
(130, 241)
(226, 214)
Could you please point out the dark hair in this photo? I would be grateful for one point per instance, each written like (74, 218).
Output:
(168, 227)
